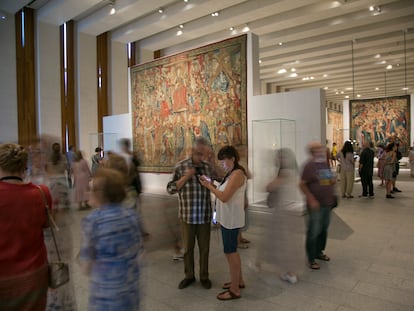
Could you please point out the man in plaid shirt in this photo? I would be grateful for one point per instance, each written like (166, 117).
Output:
(194, 209)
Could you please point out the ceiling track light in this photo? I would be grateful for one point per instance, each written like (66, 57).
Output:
(160, 10)
(375, 9)
(112, 6)
(215, 14)
(3, 15)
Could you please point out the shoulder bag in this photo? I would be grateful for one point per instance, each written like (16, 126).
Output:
(58, 270)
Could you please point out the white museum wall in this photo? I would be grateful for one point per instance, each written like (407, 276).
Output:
(121, 125)
(8, 87)
(48, 79)
(306, 108)
(86, 90)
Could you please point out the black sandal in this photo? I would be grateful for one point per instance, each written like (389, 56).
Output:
(314, 266)
(228, 285)
(231, 295)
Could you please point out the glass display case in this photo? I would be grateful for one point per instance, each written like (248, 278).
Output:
(267, 137)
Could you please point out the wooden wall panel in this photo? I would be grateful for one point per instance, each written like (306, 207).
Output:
(25, 75)
(132, 60)
(102, 77)
(67, 86)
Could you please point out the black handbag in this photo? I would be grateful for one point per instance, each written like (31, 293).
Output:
(58, 270)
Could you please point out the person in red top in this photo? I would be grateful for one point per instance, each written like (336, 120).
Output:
(23, 257)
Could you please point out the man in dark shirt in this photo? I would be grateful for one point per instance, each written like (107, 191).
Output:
(366, 170)
(317, 184)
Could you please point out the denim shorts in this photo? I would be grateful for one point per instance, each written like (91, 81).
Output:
(230, 238)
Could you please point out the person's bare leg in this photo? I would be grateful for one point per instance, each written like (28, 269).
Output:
(236, 276)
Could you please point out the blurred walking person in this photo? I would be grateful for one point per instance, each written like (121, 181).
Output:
(366, 170)
(81, 176)
(317, 184)
(23, 257)
(284, 235)
(346, 158)
(111, 263)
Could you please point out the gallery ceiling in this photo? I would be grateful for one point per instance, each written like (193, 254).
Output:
(343, 46)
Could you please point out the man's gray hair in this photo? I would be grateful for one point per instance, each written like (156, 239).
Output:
(201, 141)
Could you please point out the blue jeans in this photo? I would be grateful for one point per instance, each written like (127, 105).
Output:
(317, 231)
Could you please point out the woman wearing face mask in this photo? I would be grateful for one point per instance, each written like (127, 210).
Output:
(230, 196)
(346, 158)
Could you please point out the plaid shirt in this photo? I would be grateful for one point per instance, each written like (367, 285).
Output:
(194, 199)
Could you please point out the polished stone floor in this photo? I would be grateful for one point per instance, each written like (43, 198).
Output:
(371, 244)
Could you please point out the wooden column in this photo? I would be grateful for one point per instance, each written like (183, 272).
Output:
(25, 76)
(102, 77)
(67, 86)
(132, 58)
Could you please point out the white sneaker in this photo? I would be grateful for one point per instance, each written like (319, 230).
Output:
(292, 279)
(178, 257)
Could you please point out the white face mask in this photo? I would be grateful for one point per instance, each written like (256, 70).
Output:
(320, 156)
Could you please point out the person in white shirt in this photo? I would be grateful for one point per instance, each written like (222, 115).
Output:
(230, 196)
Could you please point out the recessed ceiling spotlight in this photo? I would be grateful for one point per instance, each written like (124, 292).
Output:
(347, 96)
(311, 78)
(325, 88)
(405, 89)
(281, 71)
(181, 26)
(358, 95)
(292, 69)
(260, 61)
(377, 56)
(325, 75)
(112, 6)
(179, 32)
(337, 93)
(160, 10)
(231, 28)
(3, 15)
(342, 92)
(246, 28)
(293, 75)
(280, 43)
(388, 67)
(186, 1)
(375, 8)
(377, 88)
(215, 14)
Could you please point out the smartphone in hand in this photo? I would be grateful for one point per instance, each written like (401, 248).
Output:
(206, 178)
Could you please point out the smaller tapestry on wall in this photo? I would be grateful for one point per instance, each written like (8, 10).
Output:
(336, 122)
(381, 121)
(201, 92)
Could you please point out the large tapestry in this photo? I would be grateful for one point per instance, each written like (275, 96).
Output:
(381, 121)
(201, 92)
(335, 119)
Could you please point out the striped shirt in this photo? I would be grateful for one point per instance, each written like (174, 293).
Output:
(194, 199)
